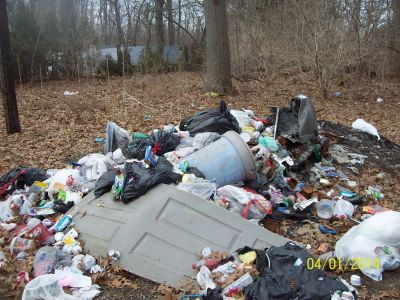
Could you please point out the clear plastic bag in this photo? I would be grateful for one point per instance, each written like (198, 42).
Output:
(203, 139)
(200, 187)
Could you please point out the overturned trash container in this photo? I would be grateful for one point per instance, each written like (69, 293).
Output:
(227, 160)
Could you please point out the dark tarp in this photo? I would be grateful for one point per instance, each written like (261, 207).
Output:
(289, 278)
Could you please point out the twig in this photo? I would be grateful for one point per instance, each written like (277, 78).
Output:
(133, 98)
(248, 79)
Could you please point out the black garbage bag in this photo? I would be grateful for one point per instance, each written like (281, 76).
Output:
(19, 177)
(62, 207)
(213, 294)
(261, 260)
(138, 179)
(211, 120)
(163, 141)
(136, 149)
(104, 183)
(289, 278)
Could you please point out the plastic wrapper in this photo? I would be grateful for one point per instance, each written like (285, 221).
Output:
(45, 287)
(203, 139)
(242, 118)
(199, 187)
(63, 179)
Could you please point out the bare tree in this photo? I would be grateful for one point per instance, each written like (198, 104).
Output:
(120, 33)
(218, 64)
(159, 26)
(396, 34)
(6, 74)
(171, 29)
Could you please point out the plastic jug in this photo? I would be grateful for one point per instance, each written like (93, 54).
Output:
(343, 209)
(325, 208)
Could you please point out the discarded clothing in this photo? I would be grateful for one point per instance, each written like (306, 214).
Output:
(116, 137)
(211, 120)
(138, 179)
(289, 278)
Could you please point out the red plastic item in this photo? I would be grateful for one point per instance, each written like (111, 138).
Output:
(264, 121)
(40, 233)
(210, 263)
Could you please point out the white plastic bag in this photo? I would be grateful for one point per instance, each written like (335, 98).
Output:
(203, 139)
(361, 241)
(241, 117)
(205, 279)
(360, 124)
(234, 192)
(45, 287)
(5, 212)
(65, 178)
(92, 166)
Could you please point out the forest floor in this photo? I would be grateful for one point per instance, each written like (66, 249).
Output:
(57, 129)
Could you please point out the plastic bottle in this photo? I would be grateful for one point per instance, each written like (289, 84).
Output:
(210, 263)
(343, 209)
(63, 223)
(325, 208)
(239, 284)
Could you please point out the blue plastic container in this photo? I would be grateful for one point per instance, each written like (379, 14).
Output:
(225, 161)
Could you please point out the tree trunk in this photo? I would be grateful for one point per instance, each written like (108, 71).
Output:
(120, 34)
(6, 74)
(135, 33)
(179, 21)
(171, 29)
(218, 64)
(396, 35)
(159, 27)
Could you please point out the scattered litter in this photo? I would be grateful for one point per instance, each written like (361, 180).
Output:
(264, 169)
(68, 93)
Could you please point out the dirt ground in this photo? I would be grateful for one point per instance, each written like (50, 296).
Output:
(57, 129)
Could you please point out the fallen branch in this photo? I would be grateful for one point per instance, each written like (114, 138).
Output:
(248, 79)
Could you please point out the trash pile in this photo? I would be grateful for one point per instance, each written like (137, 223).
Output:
(261, 169)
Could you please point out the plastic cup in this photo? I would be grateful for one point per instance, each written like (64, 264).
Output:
(325, 209)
